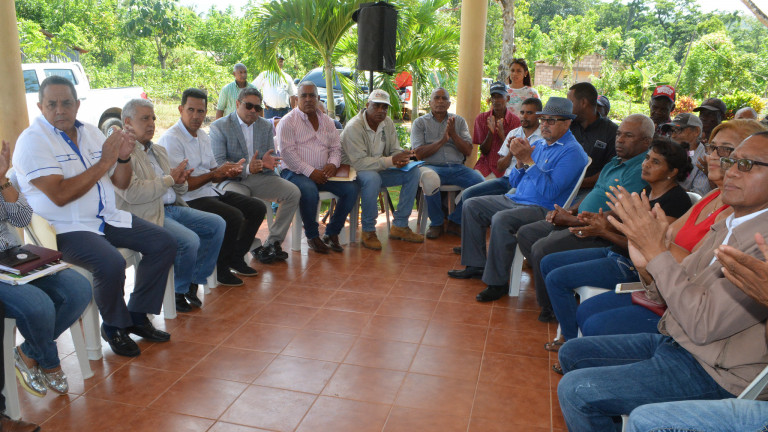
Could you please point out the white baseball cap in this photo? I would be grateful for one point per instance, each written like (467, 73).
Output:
(379, 96)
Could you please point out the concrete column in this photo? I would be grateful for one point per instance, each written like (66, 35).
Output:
(474, 14)
(13, 110)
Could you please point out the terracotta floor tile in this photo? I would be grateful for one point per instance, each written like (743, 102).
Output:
(515, 405)
(518, 371)
(366, 284)
(410, 419)
(204, 330)
(420, 290)
(303, 296)
(229, 427)
(263, 291)
(151, 419)
(354, 302)
(407, 307)
(100, 368)
(365, 384)
(233, 308)
(423, 273)
(320, 345)
(325, 279)
(299, 374)
(269, 408)
(285, 315)
(134, 385)
(527, 300)
(342, 415)
(517, 343)
(382, 354)
(447, 362)
(37, 410)
(473, 314)
(177, 356)
(233, 364)
(455, 335)
(331, 265)
(445, 260)
(93, 415)
(463, 293)
(445, 395)
(522, 320)
(395, 328)
(199, 396)
(261, 337)
(337, 321)
(477, 424)
(558, 421)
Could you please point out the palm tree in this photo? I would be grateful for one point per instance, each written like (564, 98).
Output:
(319, 23)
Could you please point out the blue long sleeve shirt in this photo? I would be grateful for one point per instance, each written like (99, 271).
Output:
(552, 178)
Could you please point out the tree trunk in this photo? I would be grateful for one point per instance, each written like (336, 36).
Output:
(761, 16)
(133, 67)
(329, 81)
(508, 47)
(414, 96)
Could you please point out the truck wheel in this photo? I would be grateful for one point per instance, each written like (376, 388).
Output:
(109, 122)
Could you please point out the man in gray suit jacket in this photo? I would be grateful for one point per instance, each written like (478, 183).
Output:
(245, 134)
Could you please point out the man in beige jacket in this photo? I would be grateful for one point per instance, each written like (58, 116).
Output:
(712, 341)
(154, 194)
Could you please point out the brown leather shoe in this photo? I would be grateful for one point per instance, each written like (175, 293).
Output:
(434, 231)
(318, 246)
(370, 240)
(7, 424)
(405, 233)
(332, 241)
(453, 228)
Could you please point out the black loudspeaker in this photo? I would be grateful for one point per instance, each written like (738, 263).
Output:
(376, 34)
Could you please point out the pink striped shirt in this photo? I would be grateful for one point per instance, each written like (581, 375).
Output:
(305, 149)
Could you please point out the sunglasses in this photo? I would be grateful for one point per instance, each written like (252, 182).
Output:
(249, 106)
(551, 121)
(743, 165)
(722, 151)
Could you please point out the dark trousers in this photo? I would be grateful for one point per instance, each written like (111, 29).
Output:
(539, 239)
(243, 216)
(98, 254)
(2, 375)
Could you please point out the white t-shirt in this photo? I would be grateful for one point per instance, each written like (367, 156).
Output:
(181, 145)
(517, 96)
(517, 133)
(276, 92)
(41, 150)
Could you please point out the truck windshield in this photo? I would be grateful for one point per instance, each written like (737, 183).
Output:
(66, 73)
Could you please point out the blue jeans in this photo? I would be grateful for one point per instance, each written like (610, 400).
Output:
(451, 174)
(279, 112)
(199, 235)
(612, 314)
(607, 376)
(347, 192)
(371, 182)
(701, 416)
(497, 186)
(44, 309)
(568, 270)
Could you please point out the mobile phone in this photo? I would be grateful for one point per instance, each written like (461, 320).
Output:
(628, 287)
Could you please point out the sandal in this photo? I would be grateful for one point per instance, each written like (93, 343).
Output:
(554, 346)
(557, 368)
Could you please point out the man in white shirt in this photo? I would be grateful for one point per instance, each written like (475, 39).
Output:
(243, 215)
(278, 90)
(67, 169)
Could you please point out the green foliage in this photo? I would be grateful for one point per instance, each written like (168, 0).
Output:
(740, 99)
(575, 37)
(715, 67)
(403, 136)
(159, 20)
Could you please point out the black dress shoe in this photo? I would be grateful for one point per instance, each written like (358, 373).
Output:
(149, 332)
(226, 278)
(191, 296)
(242, 269)
(457, 250)
(467, 273)
(181, 303)
(265, 254)
(547, 315)
(491, 293)
(121, 343)
(280, 254)
(333, 243)
(318, 246)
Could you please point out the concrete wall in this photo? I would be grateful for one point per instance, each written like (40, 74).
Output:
(552, 75)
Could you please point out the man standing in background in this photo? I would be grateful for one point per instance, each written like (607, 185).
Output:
(229, 93)
(278, 90)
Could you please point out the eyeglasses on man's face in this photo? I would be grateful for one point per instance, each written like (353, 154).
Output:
(250, 106)
(722, 151)
(743, 165)
(551, 120)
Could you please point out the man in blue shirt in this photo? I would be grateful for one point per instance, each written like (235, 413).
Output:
(541, 238)
(545, 174)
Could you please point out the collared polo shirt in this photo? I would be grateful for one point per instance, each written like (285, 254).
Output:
(598, 140)
(228, 97)
(181, 145)
(426, 130)
(615, 173)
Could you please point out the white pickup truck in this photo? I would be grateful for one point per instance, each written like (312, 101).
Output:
(100, 107)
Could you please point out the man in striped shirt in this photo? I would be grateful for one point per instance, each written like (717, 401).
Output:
(311, 151)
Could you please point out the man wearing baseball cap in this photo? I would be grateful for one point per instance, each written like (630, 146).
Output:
(490, 129)
(712, 113)
(661, 105)
(603, 106)
(685, 129)
(371, 147)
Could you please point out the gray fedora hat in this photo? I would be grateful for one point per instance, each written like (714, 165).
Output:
(558, 106)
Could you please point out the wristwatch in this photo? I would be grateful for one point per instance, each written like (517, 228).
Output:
(6, 185)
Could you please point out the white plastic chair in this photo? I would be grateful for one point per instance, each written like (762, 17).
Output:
(694, 197)
(516, 272)
(454, 193)
(299, 240)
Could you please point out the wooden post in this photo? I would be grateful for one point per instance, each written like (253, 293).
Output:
(13, 110)
(474, 14)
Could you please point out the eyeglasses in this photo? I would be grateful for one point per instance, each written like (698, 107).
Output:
(722, 151)
(249, 106)
(743, 165)
(551, 121)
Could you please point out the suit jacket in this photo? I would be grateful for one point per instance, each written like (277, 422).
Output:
(144, 195)
(228, 142)
(723, 328)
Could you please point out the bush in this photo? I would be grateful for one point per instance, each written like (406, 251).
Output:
(742, 99)
(684, 104)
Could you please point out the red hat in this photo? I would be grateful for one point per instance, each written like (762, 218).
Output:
(666, 91)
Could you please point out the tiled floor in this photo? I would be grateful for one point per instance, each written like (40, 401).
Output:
(360, 341)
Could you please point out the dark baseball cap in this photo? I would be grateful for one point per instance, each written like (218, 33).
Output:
(683, 120)
(499, 88)
(712, 104)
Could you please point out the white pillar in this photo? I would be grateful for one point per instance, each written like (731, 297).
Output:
(13, 110)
